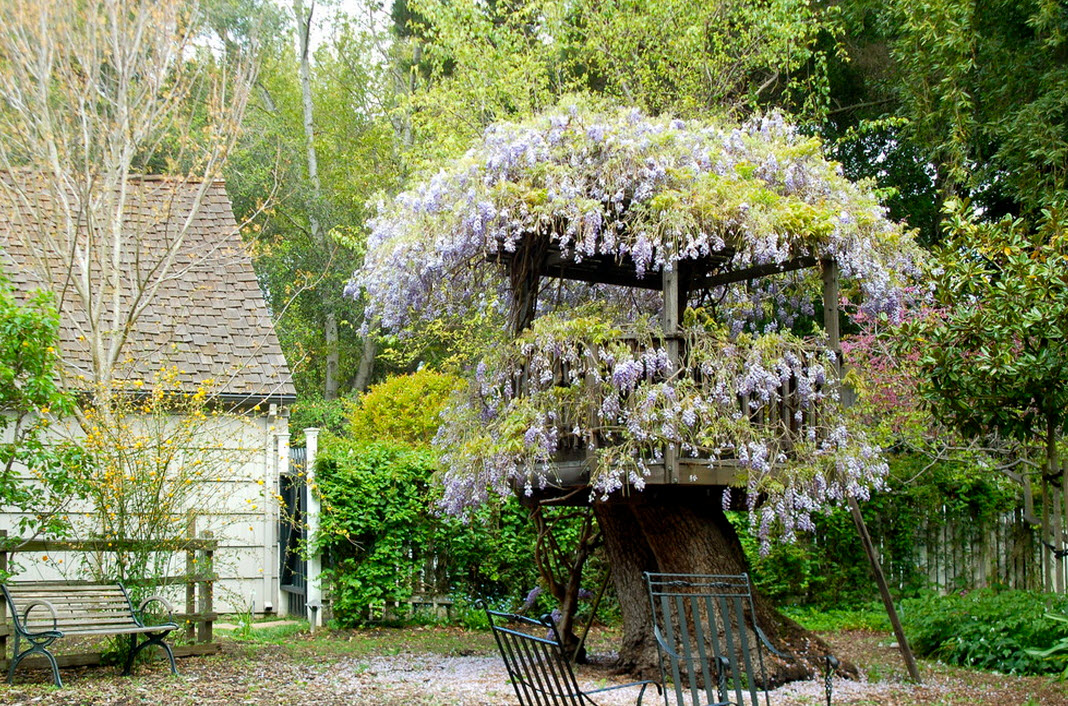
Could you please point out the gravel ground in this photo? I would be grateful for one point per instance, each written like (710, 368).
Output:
(465, 673)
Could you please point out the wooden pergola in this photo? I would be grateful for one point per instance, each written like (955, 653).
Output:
(539, 258)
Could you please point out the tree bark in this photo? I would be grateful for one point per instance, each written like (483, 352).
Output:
(367, 364)
(330, 333)
(688, 532)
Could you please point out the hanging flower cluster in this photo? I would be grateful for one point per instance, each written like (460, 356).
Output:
(766, 405)
(646, 191)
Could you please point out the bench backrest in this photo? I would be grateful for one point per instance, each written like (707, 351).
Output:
(706, 638)
(540, 673)
(78, 606)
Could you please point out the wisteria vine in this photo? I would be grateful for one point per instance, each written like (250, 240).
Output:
(648, 193)
(623, 185)
(767, 405)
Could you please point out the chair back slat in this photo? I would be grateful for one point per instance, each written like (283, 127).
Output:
(704, 628)
(537, 668)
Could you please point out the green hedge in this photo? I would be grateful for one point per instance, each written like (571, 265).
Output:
(379, 526)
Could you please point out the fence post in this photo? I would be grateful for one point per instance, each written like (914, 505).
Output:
(3, 604)
(314, 564)
(190, 576)
(207, 589)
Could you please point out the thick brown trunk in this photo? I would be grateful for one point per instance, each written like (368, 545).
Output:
(688, 533)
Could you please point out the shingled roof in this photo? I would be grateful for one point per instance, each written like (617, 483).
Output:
(208, 317)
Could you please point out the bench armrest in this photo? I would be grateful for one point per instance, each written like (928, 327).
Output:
(155, 599)
(23, 624)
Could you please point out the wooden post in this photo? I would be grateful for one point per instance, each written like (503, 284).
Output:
(314, 565)
(3, 604)
(669, 323)
(207, 590)
(884, 592)
(830, 325)
(190, 573)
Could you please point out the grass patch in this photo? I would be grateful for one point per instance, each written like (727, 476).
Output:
(869, 617)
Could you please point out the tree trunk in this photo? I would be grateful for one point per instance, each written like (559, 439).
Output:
(314, 203)
(688, 532)
(367, 364)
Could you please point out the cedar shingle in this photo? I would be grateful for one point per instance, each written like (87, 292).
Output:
(209, 317)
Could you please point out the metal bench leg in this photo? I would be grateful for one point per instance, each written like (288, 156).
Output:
(15, 658)
(150, 639)
(40, 648)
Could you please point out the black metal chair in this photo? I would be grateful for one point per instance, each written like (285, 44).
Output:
(538, 665)
(710, 647)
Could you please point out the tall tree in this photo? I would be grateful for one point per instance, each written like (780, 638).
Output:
(307, 239)
(92, 96)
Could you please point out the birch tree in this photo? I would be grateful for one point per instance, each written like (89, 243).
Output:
(92, 97)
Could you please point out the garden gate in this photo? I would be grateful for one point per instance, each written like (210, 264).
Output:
(292, 532)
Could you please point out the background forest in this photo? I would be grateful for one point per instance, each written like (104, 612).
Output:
(352, 101)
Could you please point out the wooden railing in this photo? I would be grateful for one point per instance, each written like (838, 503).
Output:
(788, 413)
(198, 616)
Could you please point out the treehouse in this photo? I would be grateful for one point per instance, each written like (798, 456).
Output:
(787, 416)
(639, 284)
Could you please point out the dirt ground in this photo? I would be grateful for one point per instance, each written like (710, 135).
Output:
(453, 667)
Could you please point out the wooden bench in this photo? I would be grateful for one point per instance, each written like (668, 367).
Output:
(538, 667)
(44, 611)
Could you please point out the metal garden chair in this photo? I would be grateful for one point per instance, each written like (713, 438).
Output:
(710, 647)
(538, 666)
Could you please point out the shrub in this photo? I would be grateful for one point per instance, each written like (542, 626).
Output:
(381, 532)
(404, 408)
(987, 629)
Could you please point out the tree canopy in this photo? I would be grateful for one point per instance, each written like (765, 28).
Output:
(621, 186)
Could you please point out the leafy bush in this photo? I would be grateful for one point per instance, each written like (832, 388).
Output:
(828, 568)
(404, 408)
(381, 532)
(329, 415)
(987, 629)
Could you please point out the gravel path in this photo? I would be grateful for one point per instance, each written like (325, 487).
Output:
(293, 674)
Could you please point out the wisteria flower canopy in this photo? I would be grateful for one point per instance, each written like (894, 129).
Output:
(615, 197)
(620, 196)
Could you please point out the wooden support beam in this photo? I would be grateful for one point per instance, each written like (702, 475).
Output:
(754, 272)
(834, 342)
(670, 320)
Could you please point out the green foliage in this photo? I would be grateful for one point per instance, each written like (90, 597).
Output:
(329, 415)
(828, 568)
(379, 527)
(37, 479)
(987, 629)
(470, 64)
(404, 408)
(997, 360)
(870, 616)
(1001, 141)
